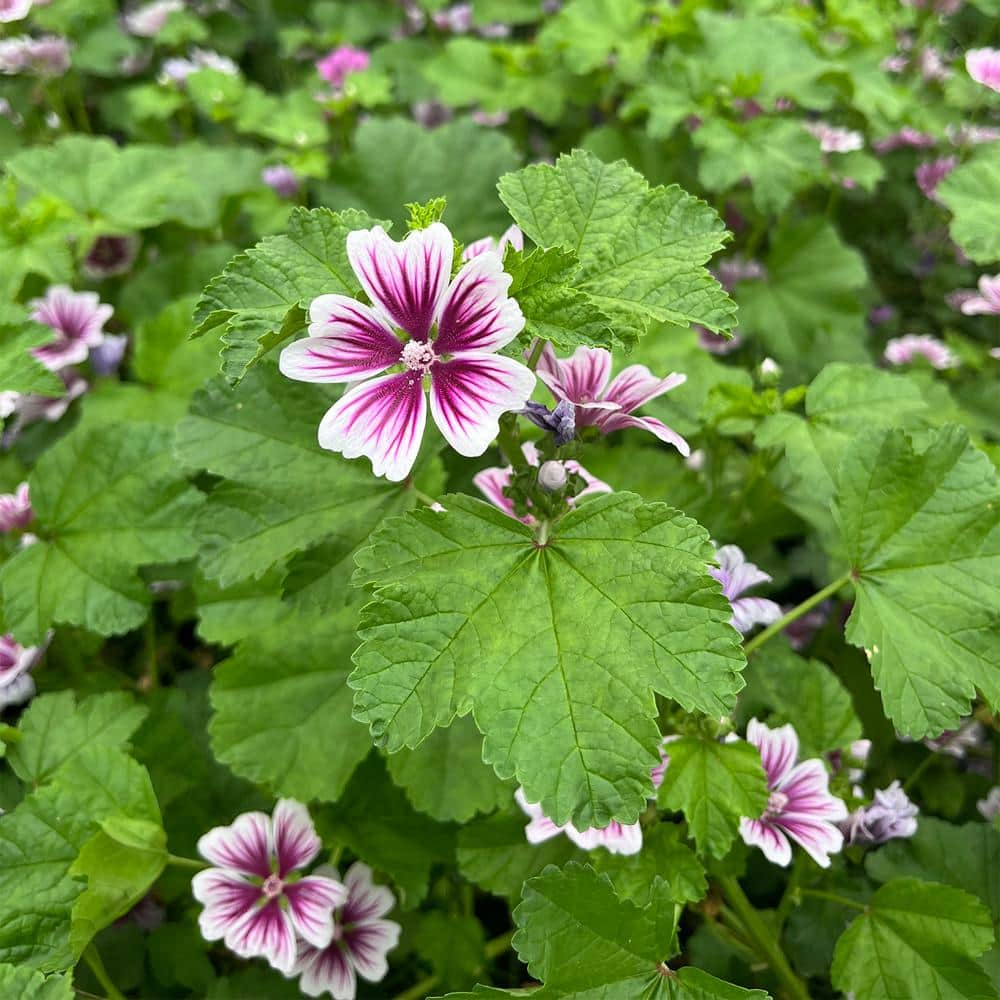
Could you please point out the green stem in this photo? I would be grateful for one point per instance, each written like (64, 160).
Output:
(761, 938)
(510, 442)
(833, 898)
(536, 352)
(797, 612)
(424, 498)
(93, 960)
(493, 949)
(918, 771)
(178, 862)
(498, 945)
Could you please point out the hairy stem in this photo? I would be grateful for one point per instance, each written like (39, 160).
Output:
(797, 612)
(93, 960)
(178, 862)
(833, 897)
(510, 441)
(762, 939)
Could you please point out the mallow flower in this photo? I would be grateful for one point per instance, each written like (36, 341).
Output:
(254, 897)
(78, 320)
(148, 21)
(512, 237)
(583, 380)
(737, 575)
(890, 816)
(16, 661)
(930, 174)
(14, 10)
(983, 65)
(985, 302)
(419, 329)
(339, 63)
(989, 808)
(361, 938)
(15, 509)
(905, 350)
(799, 803)
(834, 139)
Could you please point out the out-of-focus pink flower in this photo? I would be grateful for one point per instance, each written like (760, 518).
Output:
(456, 19)
(696, 460)
(281, 179)
(30, 407)
(906, 136)
(110, 255)
(14, 10)
(989, 808)
(971, 135)
(983, 65)
(15, 509)
(452, 332)
(616, 838)
(431, 114)
(986, 301)
(784, 104)
(882, 314)
(895, 63)
(338, 64)
(78, 319)
(16, 683)
(106, 359)
(490, 119)
(932, 66)
(736, 576)
(800, 632)
(731, 270)
(177, 70)
(799, 806)
(930, 174)
(891, 816)
(254, 897)
(995, 352)
(492, 482)
(905, 350)
(47, 56)
(361, 939)
(957, 743)
(511, 237)
(148, 20)
(717, 343)
(583, 380)
(834, 139)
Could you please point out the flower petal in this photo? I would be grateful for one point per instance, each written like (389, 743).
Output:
(383, 419)
(404, 280)
(615, 838)
(541, 828)
(618, 421)
(594, 485)
(476, 314)
(346, 341)
(326, 970)
(227, 898)
(491, 483)
(807, 786)
(580, 379)
(779, 749)
(817, 838)
(636, 385)
(266, 931)
(750, 611)
(470, 392)
(369, 943)
(365, 899)
(774, 844)
(295, 840)
(311, 902)
(245, 846)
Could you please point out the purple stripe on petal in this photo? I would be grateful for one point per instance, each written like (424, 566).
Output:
(469, 394)
(774, 844)
(326, 971)
(369, 943)
(311, 902)
(227, 898)
(295, 840)
(382, 419)
(779, 749)
(636, 385)
(751, 611)
(491, 483)
(266, 932)
(366, 900)
(617, 421)
(476, 314)
(244, 847)
(614, 838)
(818, 839)
(580, 378)
(404, 280)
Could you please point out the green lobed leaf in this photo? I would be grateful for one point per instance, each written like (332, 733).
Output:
(567, 640)
(27, 984)
(915, 939)
(641, 249)
(714, 784)
(970, 192)
(253, 302)
(54, 728)
(107, 501)
(921, 530)
(20, 371)
(588, 33)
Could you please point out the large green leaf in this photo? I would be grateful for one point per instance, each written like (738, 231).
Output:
(714, 784)
(587, 33)
(641, 249)
(921, 530)
(556, 648)
(27, 984)
(970, 192)
(258, 299)
(107, 501)
(21, 371)
(916, 939)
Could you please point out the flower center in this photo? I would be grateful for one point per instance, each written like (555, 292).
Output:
(418, 356)
(272, 886)
(776, 803)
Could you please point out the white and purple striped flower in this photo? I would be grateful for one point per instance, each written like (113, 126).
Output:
(983, 65)
(833, 138)
(148, 21)
(78, 319)
(930, 174)
(987, 301)
(905, 350)
(361, 939)
(451, 332)
(15, 509)
(583, 380)
(891, 816)
(16, 661)
(14, 10)
(799, 804)
(492, 482)
(254, 897)
(512, 237)
(736, 576)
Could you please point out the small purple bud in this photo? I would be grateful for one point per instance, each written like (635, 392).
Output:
(106, 358)
(560, 422)
(281, 179)
(891, 816)
(110, 255)
(552, 476)
(430, 114)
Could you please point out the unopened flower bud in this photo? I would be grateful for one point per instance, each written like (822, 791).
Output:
(552, 476)
(769, 371)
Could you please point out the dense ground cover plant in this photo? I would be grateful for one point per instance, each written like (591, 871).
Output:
(499, 499)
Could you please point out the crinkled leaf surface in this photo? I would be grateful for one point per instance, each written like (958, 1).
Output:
(916, 939)
(252, 301)
(641, 249)
(27, 984)
(107, 501)
(970, 192)
(20, 371)
(713, 784)
(921, 530)
(556, 649)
